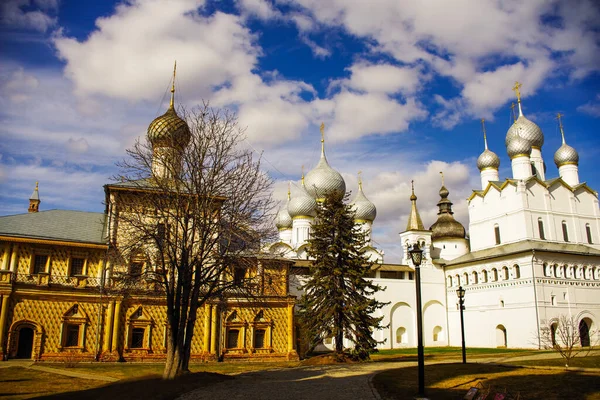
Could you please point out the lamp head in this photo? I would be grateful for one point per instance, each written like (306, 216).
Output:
(460, 292)
(416, 254)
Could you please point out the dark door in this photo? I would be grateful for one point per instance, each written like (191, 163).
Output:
(584, 334)
(25, 343)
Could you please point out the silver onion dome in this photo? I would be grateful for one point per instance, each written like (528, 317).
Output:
(283, 220)
(322, 179)
(363, 208)
(518, 147)
(302, 205)
(527, 130)
(488, 159)
(566, 155)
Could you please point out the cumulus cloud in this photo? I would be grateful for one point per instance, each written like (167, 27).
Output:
(19, 14)
(77, 145)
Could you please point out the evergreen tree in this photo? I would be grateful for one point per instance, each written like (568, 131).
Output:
(338, 301)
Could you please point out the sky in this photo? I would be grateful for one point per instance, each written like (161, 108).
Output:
(401, 87)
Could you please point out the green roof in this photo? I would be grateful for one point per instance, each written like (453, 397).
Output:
(63, 225)
(522, 247)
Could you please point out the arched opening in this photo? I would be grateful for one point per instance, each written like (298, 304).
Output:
(588, 232)
(501, 336)
(494, 275)
(437, 332)
(553, 333)
(516, 271)
(465, 279)
(497, 234)
(484, 276)
(541, 229)
(505, 275)
(401, 335)
(25, 343)
(450, 281)
(565, 231)
(584, 332)
(475, 278)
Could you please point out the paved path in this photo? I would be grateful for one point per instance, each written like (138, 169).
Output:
(331, 382)
(318, 382)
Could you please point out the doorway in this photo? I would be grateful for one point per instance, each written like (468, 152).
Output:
(25, 343)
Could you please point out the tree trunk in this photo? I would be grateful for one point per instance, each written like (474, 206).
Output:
(173, 362)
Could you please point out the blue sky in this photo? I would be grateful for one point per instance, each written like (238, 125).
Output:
(401, 87)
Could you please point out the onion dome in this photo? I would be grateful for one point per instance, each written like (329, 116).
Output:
(283, 220)
(523, 127)
(488, 159)
(446, 226)
(364, 210)
(169, 129)
(414, 219)
(302, 205)
(323, 180)
(518, 147)
(565, 154)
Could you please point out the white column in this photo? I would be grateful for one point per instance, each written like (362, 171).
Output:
(538, 162)
(570, 174)
(521, 167)
(487, 175)
(300, 230)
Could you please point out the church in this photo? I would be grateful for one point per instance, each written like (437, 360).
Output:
(533, 254)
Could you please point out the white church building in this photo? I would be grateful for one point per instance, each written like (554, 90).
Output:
(532, 256)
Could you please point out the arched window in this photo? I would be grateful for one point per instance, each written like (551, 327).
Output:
(547, 270)
(585, 273)
(505, 274)
(494, 275)
(484, 276)
(474, 278)
(541, 229)
(465, 279)
(497, 234)
(516, 271)
(588, 231)
(565, 231)
(401, 335)
(457, 280)
(450, 281)
(437, 331)
(556, 271)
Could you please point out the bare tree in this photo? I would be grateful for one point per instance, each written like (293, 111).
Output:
(195, 225)
(567, 337)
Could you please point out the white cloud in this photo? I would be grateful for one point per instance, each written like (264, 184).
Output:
(382, 78)
(258, 8)
(77, 145)
(591, 108)
(13, 14)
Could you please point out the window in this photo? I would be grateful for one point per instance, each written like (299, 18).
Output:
(137, 338)
(391, 274)
(494, 275)
(232, 338)
(502, 303)
(411, 276)
(497, 233)
(588, 231)
(541, 229)
(400, 335)
(547, 270)
(135, 268)
(475, 278)
(565, 232)
(436, 333)
(505, 274)
(450, 281)
(72, 336)
(517, 271)
(484, 276)
(238, 275)
(77, 264)
(553, 300)
(40, 261)
(259, 338)
(160, 233)
(466, 278)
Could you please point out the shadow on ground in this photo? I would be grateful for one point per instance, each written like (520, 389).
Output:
(451, 381)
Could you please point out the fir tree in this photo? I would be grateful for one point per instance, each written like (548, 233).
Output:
(338, 301)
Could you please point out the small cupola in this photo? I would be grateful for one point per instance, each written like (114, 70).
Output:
(34, 200)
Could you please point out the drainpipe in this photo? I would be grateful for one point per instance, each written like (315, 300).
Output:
(537, 314)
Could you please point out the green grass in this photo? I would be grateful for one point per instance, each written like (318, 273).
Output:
(451, 381)
(444, 353)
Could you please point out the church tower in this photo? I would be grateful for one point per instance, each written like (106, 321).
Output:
(567, 160)
(415, 233)
(34, 200)
(365, 212)
(488, 163)
(168, 135)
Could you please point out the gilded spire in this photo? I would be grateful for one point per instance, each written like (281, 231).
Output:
(360, 180)
(289, 193)
(517, 90)
(173, 87)
(442, 174)
(558, 117)
(302, 176)
(414, 219)
(34, 200)
(322, 139)
(484, 134)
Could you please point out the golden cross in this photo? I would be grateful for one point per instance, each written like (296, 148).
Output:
(289, 189)
(517, 91)
(173, 87)
(412, 186)
(558, 117)
(322, 132)
(442, 174)
(360, 180)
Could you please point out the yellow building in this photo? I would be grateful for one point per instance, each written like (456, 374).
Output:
(59, 300)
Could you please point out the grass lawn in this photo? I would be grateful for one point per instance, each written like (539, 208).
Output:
(577, 362)
(137, 380)
(451, 381)
(432, 353)
(21, 383)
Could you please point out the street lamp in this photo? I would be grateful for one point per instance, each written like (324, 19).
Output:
(416, 255)
(460, 292)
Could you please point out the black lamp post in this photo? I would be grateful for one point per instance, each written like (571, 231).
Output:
(416, 255)
(460, 292)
